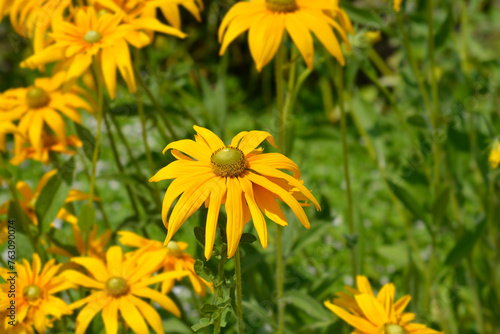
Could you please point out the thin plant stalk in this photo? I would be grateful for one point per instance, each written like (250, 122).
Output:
(219, 287)
(339, 83)
(281, 144)
(239, 301)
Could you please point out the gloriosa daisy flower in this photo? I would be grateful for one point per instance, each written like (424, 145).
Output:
(44, 103)
(494, 157)
(239, 176)
(266, 21)
(119, 283)
(35, 289)
(376, 315)
(103, 36)
(175, 258)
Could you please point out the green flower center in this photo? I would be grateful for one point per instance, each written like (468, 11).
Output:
(174, 248)
(101, 12)
(92, 36)
(32, 292)
(37, 97)
(394, 329)
(228, 161)
(117, 286)
(281, 6)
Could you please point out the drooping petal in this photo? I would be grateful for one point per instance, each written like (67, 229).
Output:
(258, 219)
(213, 141)
(110, 316)
(264, 38)
(149, 313)
(132, 316)
(95, 266)
(372, 309)
(191, 148)
(122, 56)
(357, 322)
(267, 203)
(80, 279)
(275, 160)
(301, 37)
(216, 196)
(161, 299)
(109, 71)
(88, 313)
(252, 139)
(234, 210)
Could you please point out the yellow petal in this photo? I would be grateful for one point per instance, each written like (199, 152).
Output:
(253, 139)
(152, 317)
(372, 309)
(267, 203)
(210, 138)
(114, 257)
(88, 313)
(179, 168)
(110, 317)
(161, 299)
(276, 160)
(301, 37)
(216, 197)
(357, 322)
(234, 210)
(122, 56)
(80, 279)
(95, 266)
(153, 24)
(191, 148)
(364, 285)
(264, 38)
(78, 66)
(132, 316)
(258, 218)
(109, 71)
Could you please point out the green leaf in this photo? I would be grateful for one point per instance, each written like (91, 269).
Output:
(465, 245)
(87, 139)
(199, 233)
(21, 218)
(204, 322)
(203, 271)
(86, 218)
(417, 120)
(247, 238)
(444, 30)
(208, 310)
(307, 304)
(54, 194)
(410, 203)
(440, 205)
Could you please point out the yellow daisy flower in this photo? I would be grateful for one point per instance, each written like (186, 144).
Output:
(32, 18)
(117, 285)
(239, 176)
(147, 8)
(380, 314)
(103, 36)
(175, 258)
(36, 287)
(50, 143)
(266, 21)
(41, 104)
(95, 247)
(28, 199)
(494, 157)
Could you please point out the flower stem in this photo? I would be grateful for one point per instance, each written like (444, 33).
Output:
(100, 112)
(239, 301)
(339, 83)
(219, 288)
(281, 144)
(140, 108)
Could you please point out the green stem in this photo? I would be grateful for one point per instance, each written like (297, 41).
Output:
(127, 146)
(281, 144)
(339, 82)
(219, 285)
(140, 108)
(100, 112)
(239, 301)
(150, 95)
(379, 62)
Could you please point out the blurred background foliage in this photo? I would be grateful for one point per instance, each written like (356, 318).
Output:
(442, 247)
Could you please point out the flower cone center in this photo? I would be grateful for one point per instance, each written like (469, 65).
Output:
(395, 329)
(228, 161)
(174, 249)
(281, 6)
(32, 292)
(102, 12)
(117, 286)
(37, 97)
(92, 36)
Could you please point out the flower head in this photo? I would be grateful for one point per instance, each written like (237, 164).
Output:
(118, 285)
(36, 287)
(379, 314)
(44, 103)
(239, 176)
(266, 21)
(494, 157)
(175, 258)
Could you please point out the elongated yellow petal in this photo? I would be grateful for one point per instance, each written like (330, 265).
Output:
(267, 203)
(80, 279)
(56, 123)
(114, 257)
(372, 309)
(252, 139)
(301, 37)
(78, 66)
(132, 316)
(264, 38)
(94, 266)
(216, 196)
(191, 148)
(161, 277)
(149, 313)
(401, 304)
(364, 285)
(234, 210)
(357, 322)
(109, 71)
(110, 316)
(210, 138)
(179, 168)
(275, 160)
(161, 299)
(386, 298)
(88, 313)
(237, 27)
(153, 24)
(258, 219)
(124, 63)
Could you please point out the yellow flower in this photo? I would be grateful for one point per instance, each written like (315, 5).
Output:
(32, 18)
(495, 155)
(41, 104)
(117, 285)
(50, 143)
(175, 258)
(267, 20)
(35, 287)
(28, 199)
(102, 36)
(147, 8)
(376, 315)
(239, 176)
(95, 247)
